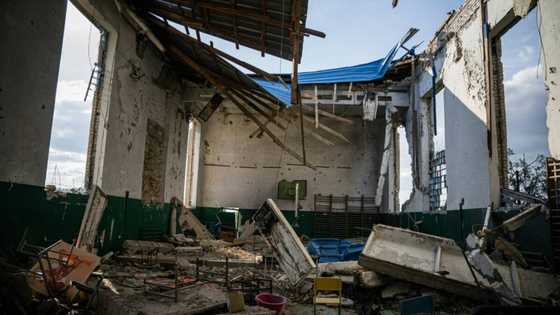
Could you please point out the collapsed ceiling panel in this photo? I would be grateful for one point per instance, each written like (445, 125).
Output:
(267, 26)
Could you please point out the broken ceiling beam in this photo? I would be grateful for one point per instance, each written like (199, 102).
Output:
(233, 26)
(218, 52)
(270, 118)
(327, 129)
(327, 114)
(411, 256)
(274, 138)
(253, 14)
(271, 107)
(296, 95)
(138, 24)
(211, 107)
(213, 79)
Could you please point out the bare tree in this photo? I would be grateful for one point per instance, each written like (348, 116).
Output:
(527, 177)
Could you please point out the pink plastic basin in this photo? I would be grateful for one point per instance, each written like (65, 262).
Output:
(271, 301)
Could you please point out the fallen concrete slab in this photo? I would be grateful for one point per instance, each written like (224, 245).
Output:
(188, 221)
(290, 253)
(439, 263)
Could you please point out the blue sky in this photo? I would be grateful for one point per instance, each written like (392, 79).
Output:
(356, 33)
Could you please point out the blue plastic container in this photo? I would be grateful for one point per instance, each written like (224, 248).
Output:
(333, 249)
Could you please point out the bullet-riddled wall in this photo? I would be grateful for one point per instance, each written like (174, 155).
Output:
(237, 171)
(140, 140)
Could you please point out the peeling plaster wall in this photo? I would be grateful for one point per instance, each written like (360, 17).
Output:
(32, 34)
(237, 171)
(136, 95)
(420, 198)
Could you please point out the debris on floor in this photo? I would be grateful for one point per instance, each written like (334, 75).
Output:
(270, 271)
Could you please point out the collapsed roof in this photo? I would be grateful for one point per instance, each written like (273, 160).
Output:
(266, 26)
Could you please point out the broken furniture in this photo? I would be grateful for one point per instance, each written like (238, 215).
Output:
(168, 288)
(439, 263)
(327, 285)
(228, 232)
(61, 270)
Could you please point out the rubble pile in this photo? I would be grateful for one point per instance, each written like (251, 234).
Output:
(398, 270)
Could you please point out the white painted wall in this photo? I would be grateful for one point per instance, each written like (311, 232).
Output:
(460, 67)
(241, 172)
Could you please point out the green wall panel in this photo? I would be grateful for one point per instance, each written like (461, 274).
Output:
(26, 207)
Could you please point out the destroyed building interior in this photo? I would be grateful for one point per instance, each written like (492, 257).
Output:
(212, 186)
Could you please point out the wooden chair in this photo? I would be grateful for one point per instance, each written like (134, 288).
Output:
(329, 285)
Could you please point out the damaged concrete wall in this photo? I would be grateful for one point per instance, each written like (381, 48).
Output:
(137, 89)
(29, 62)
(241, 172)
(464, 100)
(467, 71)
(458, 56)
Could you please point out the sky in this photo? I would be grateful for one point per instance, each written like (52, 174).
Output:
(357, 33)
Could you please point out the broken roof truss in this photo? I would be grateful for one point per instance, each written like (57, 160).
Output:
(266, 26)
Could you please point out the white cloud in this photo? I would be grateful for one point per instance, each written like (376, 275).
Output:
(71, 120)
(71, 90)
(66, 169)
(526, 53)
(526, 112)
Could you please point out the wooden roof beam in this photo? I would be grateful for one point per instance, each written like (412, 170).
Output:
(218, 52)
(246, 13)
(252, 42)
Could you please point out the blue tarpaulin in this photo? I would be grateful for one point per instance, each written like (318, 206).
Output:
(360, 73)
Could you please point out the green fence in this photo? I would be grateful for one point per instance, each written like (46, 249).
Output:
(46, 220)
